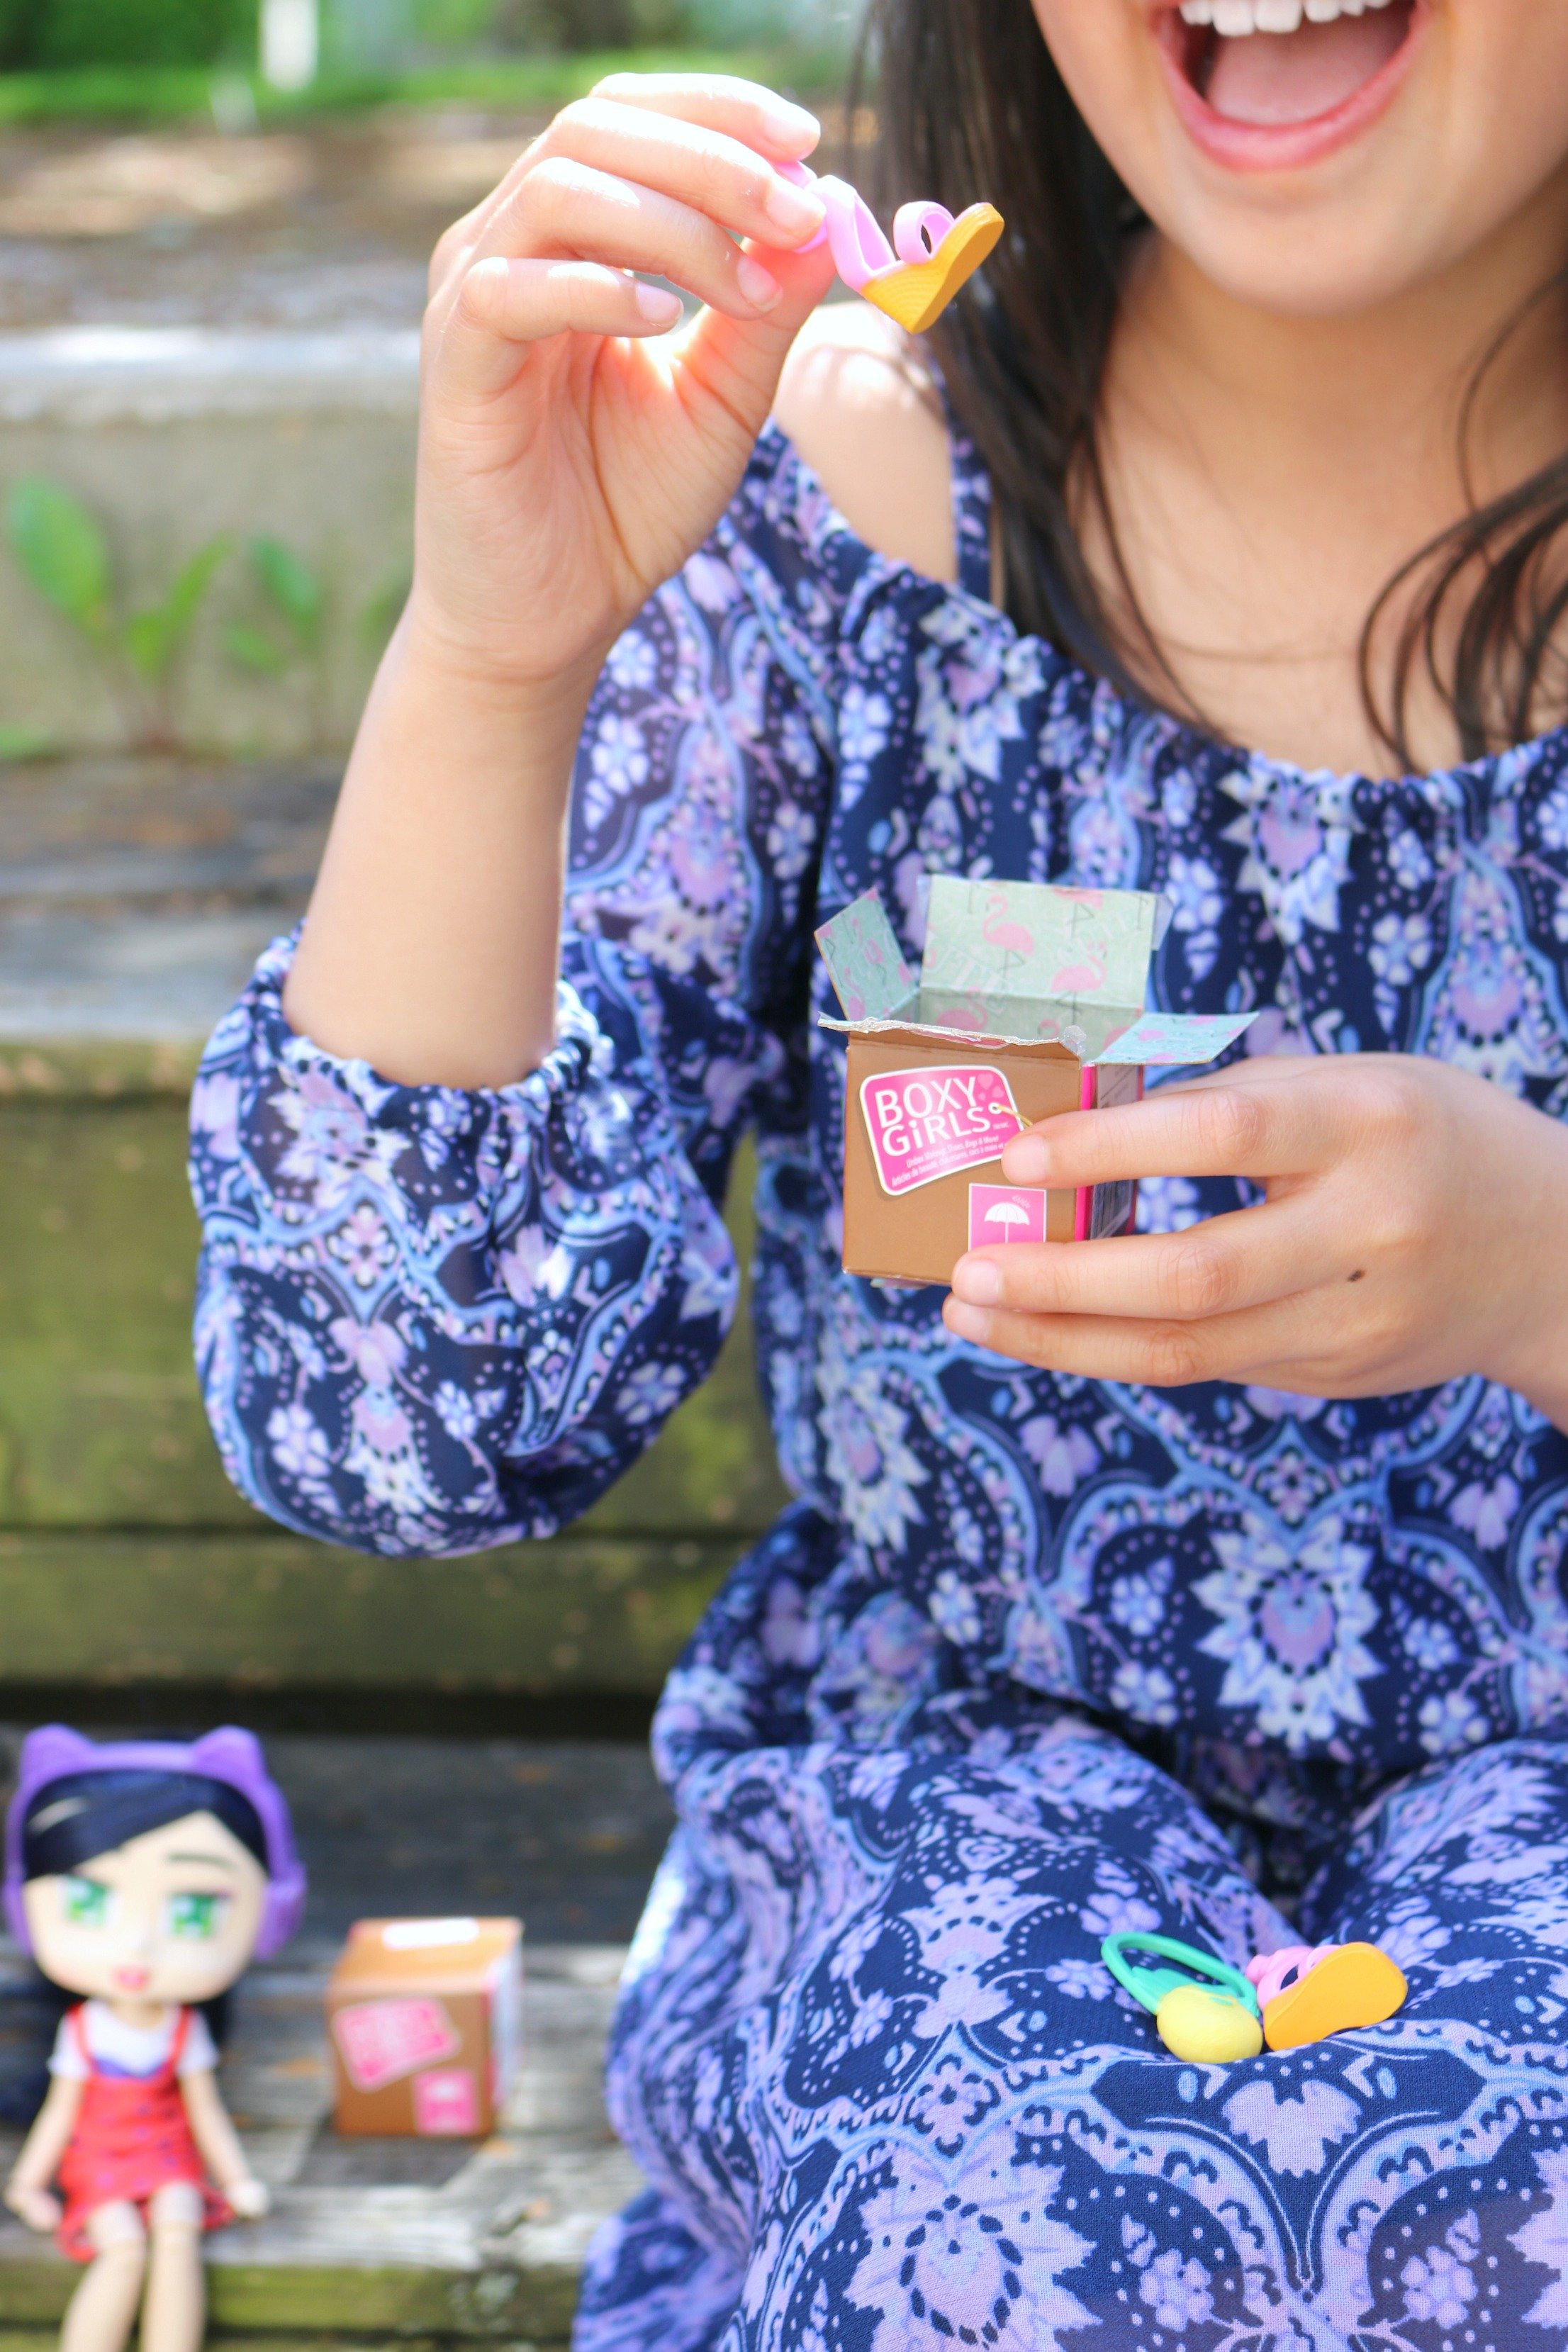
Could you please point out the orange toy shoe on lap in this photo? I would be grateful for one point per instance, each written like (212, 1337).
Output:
(1337, 1988)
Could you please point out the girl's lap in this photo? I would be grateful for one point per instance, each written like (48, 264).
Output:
(873, 2064)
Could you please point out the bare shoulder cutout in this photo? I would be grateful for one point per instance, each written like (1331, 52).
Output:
(864, 415)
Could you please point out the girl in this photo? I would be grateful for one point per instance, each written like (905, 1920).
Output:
(142, 1877)
(1145, 1584)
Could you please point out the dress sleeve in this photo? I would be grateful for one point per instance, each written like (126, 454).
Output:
(431, 1321)
(199, 2055)
(66, 2061)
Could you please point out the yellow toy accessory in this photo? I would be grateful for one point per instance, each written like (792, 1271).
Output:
(1204, 2010)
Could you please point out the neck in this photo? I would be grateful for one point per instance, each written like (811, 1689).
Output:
(1268, 473)
(141, 2016)
(1335, 393)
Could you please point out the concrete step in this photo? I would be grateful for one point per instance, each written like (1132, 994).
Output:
(174, 437)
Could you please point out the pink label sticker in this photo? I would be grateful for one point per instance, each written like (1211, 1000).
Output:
(447, 2104)
(382, 2041)
(1006, 1213)
(928, 1123)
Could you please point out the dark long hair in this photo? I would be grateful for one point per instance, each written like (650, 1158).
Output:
(971, 106)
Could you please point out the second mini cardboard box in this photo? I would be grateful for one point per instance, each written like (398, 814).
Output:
(1030, 1001)
(425, 2017)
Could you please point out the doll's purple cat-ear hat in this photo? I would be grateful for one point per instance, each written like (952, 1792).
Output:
(233, 1756)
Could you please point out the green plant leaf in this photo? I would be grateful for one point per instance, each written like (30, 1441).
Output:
(62, 551)
(153, 636)
(25, 742)
(297, 592)
(253, 650)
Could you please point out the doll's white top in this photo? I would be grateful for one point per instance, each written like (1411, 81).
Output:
(129, 2050)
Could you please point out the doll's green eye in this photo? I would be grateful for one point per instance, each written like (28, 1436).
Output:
(194, 1917)
(84, 1901)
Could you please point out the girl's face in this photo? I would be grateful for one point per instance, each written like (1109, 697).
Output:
(169, 1917)
(1334, 166)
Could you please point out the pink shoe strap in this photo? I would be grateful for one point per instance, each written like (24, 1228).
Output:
(860, 250)
(1267, 1972)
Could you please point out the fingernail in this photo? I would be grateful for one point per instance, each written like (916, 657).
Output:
(795, 210)
(658, 304)
(760, 287)
(1025, 1162)
(978, 1280)
(795, 126)
(964, 1322)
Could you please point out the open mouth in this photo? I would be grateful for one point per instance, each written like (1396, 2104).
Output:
(1280, 64)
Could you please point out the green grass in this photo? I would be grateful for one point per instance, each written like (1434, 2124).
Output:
(131, 94)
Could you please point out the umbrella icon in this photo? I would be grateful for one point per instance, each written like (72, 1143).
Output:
(1006, 1214)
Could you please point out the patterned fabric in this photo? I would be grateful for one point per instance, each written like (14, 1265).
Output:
(1027, 1645)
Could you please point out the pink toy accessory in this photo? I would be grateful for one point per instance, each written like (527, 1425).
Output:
(56, 1753)
(931, 256)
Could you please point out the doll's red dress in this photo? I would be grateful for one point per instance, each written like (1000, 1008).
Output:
(132, 2136)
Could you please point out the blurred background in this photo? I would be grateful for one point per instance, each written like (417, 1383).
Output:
(215, 220)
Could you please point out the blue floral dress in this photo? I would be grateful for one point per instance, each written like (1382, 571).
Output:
(1031, 1658)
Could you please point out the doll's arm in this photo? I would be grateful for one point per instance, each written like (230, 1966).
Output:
(219, 2144)
(27, 2190)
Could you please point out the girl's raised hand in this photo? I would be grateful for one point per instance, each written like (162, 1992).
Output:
(573, 451)
(1414, 1228)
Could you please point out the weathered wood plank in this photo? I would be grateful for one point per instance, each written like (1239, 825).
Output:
(600, 1613)
(100, 1423)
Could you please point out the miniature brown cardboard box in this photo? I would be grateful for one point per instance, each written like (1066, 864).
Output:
(426, 2021)
(1030, 1001)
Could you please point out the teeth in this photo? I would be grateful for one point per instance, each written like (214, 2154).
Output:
(1234, 18)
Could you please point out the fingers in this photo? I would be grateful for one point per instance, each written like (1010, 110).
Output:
(719, 176)
(564, 210)
(1219, 1267)
(1278, 1128)
(1278, 1346)
(503, 306)
(746, 111)
(708, 140)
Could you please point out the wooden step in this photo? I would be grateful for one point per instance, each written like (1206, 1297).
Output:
(416, 2240)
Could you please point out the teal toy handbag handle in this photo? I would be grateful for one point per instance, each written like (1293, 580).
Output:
(1150, 1986)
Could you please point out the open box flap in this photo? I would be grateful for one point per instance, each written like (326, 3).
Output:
(1070, 952)
(865, 961)
(1161, 1038)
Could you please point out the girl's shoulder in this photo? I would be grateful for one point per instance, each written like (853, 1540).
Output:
(864, 414)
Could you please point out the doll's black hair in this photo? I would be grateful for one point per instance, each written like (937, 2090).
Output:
(71, 1821)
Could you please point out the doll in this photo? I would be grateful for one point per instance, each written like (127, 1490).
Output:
(142, 1877)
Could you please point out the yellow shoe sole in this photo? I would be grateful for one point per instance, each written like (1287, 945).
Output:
(917, 292)
(1357, 1985)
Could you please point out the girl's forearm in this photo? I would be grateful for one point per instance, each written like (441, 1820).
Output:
(432, 944)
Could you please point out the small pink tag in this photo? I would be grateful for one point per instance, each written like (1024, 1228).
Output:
(382, 2041)
(447, 2104)
(1006, 1213)
(924, 1124)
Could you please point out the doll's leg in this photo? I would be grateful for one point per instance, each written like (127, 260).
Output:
(174, 2316)
(101, 2311)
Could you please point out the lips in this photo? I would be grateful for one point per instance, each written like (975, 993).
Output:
(1260, 98)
